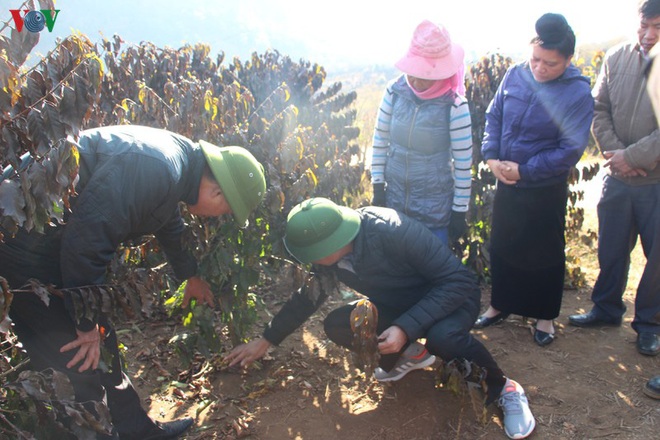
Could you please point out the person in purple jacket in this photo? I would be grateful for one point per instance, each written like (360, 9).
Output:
(537, 127)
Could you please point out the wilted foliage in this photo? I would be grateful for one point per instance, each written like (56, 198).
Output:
(269, 104)
(364, 324)
(303, 133)
(44, 403)
(40, 108)
(483, 79)
(465, 378)
(6, 297)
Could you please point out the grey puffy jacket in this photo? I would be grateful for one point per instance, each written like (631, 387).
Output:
(418, 171)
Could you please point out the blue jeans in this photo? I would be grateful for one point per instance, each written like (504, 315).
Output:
(625, 212)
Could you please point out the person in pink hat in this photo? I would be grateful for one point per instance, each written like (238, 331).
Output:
(422, 144)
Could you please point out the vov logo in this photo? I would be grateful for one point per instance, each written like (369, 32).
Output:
(33, 20)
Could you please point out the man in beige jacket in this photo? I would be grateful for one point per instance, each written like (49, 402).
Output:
(627, 134)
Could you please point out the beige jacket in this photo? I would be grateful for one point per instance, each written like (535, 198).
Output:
(623, 114)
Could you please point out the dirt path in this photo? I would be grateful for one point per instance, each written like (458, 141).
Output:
(586, 385)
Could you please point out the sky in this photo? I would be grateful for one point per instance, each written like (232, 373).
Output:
(336, 33)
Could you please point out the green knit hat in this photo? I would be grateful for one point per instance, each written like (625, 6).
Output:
(318, 227)
(240, 176)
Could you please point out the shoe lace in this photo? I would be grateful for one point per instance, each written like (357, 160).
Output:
(510, 402)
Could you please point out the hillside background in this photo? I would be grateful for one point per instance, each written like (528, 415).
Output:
(307, 388)
(356, 42)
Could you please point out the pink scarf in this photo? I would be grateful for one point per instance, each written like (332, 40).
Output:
(455, 83)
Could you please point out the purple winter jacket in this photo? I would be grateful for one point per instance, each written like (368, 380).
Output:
(544, 127)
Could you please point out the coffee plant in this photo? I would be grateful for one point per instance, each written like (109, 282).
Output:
(275, 107)
(303, 131)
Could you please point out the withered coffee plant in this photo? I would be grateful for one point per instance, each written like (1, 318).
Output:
(304, 134)
(301, 129)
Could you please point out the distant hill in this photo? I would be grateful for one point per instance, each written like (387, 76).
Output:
(369, 83)
(587, 51)
(360, 77)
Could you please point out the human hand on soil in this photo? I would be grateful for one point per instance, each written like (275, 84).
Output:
(392, 340)
(245, 354)
(199, 289)
(89, 349)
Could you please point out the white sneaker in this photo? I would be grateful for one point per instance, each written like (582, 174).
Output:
(518, 419)
(415, 357)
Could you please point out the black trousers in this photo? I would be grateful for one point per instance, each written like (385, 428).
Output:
(44, 329)
(449, 338)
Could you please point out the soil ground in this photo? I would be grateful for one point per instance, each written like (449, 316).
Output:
(586, 385)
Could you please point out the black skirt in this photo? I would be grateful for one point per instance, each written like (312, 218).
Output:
(527, 250)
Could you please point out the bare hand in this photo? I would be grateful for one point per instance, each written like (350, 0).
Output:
(510, 170)
(497, 168)
(392, 340)
(617, 163)
(245, 354)
(199, 289)
(89, 349)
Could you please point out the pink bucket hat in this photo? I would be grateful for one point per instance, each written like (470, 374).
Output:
(431, 54)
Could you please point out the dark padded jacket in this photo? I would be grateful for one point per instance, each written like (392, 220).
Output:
(131, 182)
(397, 262)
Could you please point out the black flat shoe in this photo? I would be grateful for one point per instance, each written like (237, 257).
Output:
(483, 322)
(652, 388)
(648, 343)
(592, 320)
(542, 338)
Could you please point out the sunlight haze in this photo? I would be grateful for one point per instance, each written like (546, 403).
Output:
(336, 34)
